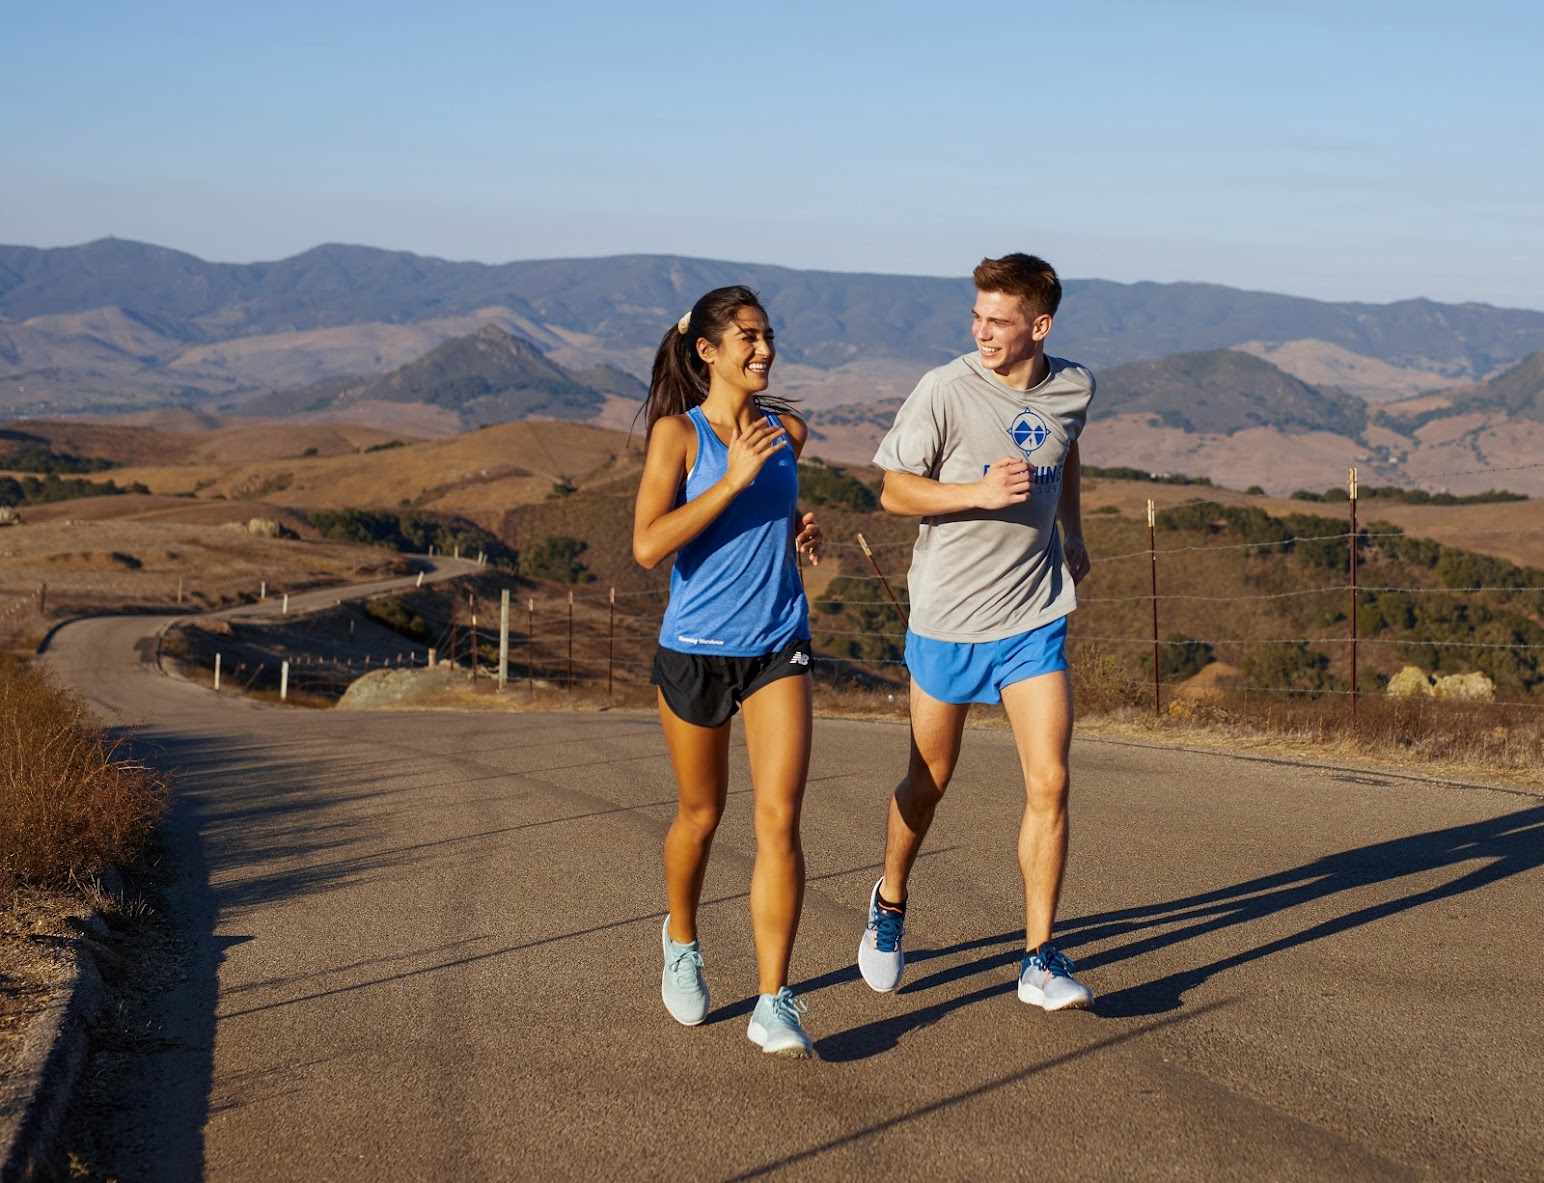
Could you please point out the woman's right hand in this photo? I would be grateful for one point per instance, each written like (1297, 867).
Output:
(749, 450)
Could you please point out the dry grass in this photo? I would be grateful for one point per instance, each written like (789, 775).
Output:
(72, 802)
(1475, 742)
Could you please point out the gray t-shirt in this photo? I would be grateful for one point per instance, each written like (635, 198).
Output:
(983, 575)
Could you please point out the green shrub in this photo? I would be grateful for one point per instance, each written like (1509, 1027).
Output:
(29, 490)
(556, 557)
(410, 533)
(36, 458)
(1289, 665)
(1179, 657)
(855, 619)
(820, 484)
(399, 618)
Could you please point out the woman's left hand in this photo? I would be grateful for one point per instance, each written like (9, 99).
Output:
(810, 539)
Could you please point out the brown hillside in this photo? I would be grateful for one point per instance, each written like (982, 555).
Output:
(154, 447)
(53, 569)
(483, 471)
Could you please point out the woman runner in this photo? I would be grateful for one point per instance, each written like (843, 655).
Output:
(719, 492)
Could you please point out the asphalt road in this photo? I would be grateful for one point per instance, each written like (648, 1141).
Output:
(427, 947)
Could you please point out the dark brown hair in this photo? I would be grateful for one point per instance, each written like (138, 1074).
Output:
(1028, 277)
(679, 381)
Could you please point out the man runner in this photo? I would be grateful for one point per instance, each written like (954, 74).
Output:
(985, 452)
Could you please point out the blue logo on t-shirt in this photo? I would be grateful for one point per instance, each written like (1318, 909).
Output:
(1029, 432)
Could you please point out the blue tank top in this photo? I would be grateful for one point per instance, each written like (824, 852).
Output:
(735, 589)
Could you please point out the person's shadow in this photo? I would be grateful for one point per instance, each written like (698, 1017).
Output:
(1498, 848)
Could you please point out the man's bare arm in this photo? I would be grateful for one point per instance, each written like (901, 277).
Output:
(906, 494)
(1070, 510)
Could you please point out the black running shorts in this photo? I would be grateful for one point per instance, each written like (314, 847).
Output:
(705, 690)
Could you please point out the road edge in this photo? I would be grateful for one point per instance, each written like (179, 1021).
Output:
(35, 1098)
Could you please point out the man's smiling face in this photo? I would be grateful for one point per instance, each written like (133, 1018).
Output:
(1008, 338)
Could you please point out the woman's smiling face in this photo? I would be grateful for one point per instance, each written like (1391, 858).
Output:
(743, 359)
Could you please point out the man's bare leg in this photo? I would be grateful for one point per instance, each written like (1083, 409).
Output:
(936, 728)
(1040, 714)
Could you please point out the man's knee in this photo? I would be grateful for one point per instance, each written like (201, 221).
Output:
(926, 780)
(1045, 788)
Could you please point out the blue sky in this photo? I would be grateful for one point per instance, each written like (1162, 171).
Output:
(1354, 150)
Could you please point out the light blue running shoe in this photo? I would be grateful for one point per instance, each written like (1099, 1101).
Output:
(681, 985)
(880, 959)
(1046, 981)
(776, 1026)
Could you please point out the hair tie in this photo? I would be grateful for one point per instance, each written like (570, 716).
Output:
(681, 325)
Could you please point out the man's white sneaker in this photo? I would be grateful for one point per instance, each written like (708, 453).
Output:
(1046, 981)
(880, 959)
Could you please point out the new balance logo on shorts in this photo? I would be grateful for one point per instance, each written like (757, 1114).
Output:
(799, 658)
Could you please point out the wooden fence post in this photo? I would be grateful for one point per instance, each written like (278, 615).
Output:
(885, 583)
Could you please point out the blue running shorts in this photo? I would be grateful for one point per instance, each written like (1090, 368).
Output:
(963, 671)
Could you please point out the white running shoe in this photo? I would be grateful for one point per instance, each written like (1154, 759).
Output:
(776, 1027)
(1046, 981)
(880, 959)
(681, 985)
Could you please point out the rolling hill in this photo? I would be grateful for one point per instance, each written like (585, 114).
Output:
(1516, 393)
(1224, 391)
(489, 376)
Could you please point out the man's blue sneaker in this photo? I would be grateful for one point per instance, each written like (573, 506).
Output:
(681, 986)
(776, 1027)
(1046, 981)
(880, 959)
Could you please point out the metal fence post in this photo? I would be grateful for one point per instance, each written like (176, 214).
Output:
(1351, 484)
(503, 638)
(1152, 551)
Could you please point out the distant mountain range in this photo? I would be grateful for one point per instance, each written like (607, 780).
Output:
(1195, 378)
(125, 321)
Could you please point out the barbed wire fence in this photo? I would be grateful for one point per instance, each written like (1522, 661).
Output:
(586, 638)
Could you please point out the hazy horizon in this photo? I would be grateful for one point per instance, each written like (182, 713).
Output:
(1255, 288)
(1370, 152)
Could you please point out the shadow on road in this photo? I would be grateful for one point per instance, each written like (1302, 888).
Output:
(1500, 847)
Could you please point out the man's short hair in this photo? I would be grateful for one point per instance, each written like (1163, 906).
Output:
(1028, 277)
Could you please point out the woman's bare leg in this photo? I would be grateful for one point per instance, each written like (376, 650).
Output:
(778, 727)
(700, 757)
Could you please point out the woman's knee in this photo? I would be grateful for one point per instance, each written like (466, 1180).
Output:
(777, 822)
(700, 821)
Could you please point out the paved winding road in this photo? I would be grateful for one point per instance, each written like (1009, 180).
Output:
(428, 942)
